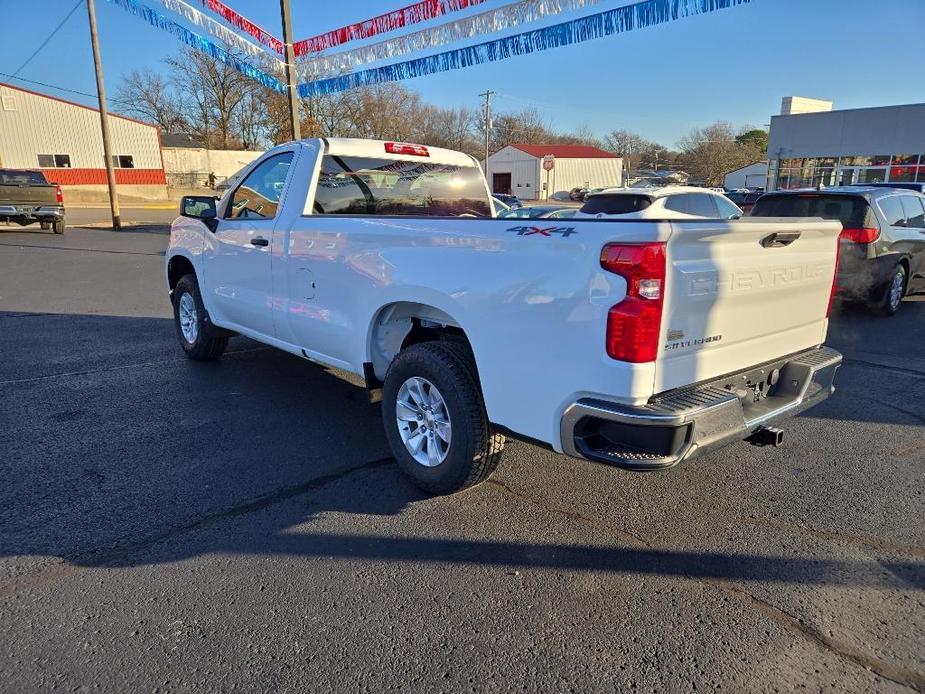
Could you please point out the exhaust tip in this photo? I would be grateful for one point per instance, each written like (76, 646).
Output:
(767, 436)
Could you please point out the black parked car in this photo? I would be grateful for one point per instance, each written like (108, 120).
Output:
(511, 201)
(882, 248)
(903, 185)
(745, 200)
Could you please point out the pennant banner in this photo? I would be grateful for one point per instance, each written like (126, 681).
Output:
(502, 18)
(617, 21)
(244, 24)
(216, 29)
(412, 14)
(198, 42)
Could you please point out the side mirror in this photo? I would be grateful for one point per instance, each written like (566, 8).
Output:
(200, 207)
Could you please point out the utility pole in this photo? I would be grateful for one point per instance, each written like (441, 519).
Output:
(104, 120)
(291, 88)
(487, 94)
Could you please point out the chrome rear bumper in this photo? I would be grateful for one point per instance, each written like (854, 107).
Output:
(680, 424)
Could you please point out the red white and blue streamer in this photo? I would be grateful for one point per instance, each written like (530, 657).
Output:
(617, 21)
(390, 21)
(242, 23)
(200, 43)
(217, 30)
(507, 16)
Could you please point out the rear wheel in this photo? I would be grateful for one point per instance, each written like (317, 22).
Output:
(435, 419)
(895, 291)
(46, 226)
(198, 337)
(58, 226)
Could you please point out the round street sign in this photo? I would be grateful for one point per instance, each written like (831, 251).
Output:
(549, 162)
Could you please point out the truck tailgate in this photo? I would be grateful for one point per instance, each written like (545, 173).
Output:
(742, 293)
(28, 194)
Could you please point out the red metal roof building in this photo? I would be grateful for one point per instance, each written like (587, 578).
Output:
(566, 151)
(518, 169)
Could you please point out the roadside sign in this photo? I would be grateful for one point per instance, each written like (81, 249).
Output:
(549, 162)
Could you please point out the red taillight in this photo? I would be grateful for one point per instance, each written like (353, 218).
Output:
(405, 148)
(634, 325)
(828, 311)
(862, 235)
(59, 194)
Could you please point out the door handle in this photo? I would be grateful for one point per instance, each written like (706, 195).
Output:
(780, 238)
(259, 241)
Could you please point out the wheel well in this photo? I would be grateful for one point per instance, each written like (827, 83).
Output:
(403, 324)
(177, 268)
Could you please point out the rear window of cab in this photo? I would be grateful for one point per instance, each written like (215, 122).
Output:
(624, 203)
(382, 186)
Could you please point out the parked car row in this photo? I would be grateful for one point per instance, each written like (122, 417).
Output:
(882, 245)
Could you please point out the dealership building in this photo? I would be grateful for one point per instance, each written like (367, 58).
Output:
(63, 139)
(819, 146)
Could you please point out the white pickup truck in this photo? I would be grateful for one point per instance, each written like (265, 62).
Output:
(636, 343)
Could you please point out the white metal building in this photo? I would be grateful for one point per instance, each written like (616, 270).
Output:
(751, 176)
(63, 139)
(518, 169)
(189, 167)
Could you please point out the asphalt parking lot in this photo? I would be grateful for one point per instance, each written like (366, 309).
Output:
(170, 526)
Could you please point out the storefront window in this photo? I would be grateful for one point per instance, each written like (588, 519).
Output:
(902, 173)
(872, 175)
(905, 159)
(823, 176)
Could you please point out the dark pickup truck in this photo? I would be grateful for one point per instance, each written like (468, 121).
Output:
(26, 197)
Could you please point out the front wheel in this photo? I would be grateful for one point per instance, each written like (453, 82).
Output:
(435, 419)
(895, 291)
(198, 337)
(58, 226)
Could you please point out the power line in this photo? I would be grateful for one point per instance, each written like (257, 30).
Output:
(45, 84)
(48, 38)
(487, 115)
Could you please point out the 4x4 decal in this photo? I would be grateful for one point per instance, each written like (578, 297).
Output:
(543, 231)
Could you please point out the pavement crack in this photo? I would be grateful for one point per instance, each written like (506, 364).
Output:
(894, 673)
(546, 505)
(791, 623)
(157, 254)
(867, 541)
(120, 367)
(909, 413)
(883, 367)
(115, 555)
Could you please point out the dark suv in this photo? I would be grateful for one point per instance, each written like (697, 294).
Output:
(882, 249)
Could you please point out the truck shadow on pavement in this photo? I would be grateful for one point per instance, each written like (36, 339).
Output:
(120, 452)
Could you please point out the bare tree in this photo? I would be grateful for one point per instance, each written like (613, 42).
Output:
(523, 127)
(581, 136)
(630, 146)
(710, 153)
(211, 94)
(148, 96)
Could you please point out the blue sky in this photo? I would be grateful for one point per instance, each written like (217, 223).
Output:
(733, 64)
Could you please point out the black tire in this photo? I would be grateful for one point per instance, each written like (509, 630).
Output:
(58, 226)
(888, 306)
(474, 450)
(209, 341)
(46, 226)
